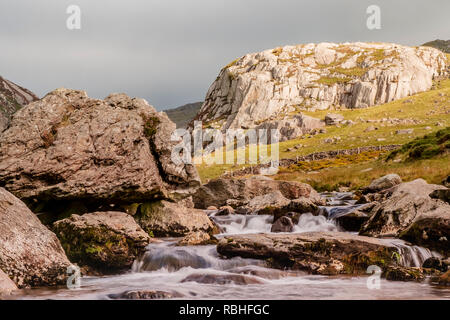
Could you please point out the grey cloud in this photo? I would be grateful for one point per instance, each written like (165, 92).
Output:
(170, 51)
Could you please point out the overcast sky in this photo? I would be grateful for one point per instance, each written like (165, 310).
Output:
(170, 51)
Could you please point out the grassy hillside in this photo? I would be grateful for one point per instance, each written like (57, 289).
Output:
(443, 45)
(425, 113)
(184, 114)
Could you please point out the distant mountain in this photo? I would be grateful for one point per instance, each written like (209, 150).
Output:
(443, 45)
(12, 98)
(184, 114)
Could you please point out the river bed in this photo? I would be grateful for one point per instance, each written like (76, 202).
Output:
(167, 267)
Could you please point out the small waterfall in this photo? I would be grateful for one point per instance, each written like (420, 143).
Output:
(411, 256)
(244, 224)
(310, 223)
(167, 256)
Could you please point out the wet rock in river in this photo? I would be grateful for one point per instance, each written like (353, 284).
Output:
(283, 224)
(169, 219)
(409, 212)
(353, 221)
(222, 279)
(266, 273)
(435, 263)
(314, 252)
(145, 295)
(444, 280)
(404, 274)
(104, 241)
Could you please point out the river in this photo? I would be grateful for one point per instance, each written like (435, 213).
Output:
(167, 267)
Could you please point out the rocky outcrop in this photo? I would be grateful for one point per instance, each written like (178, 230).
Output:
(315, 252)
(238, 192)
(68, 146)
(103, 241)
(12, 98)
(408, 211)
(30, 254)
(6, 284)
(169, 219)
(274, 84)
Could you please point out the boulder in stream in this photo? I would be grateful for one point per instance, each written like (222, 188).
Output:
(325, 253)
(105, 242)
(409, 212)
(169, 219)
(145, 295)
(222, 279)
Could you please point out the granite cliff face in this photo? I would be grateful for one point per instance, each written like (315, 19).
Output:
(12, 98)
(276, 84)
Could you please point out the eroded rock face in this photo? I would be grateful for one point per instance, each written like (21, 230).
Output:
(239, 192)
(12, 98)
(269, 85)
(408, 210)
(68, 146)
(315, 252)
(169, 219)
(30, 254)
(104, 241)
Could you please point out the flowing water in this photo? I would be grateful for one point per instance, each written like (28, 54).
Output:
(199, 273)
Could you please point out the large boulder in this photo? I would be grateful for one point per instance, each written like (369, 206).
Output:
(383, 183)
(106, 242)
(169, 219)
(68, 147)
(30, 254)
(314, 252)
(238, 192)
(281, 82)
(6, 284)
(409, 211)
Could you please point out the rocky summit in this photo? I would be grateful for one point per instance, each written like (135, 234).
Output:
(12, 98)
(68, 146)
(278, 83)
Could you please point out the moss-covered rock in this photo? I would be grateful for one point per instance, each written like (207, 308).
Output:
(104, 242)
